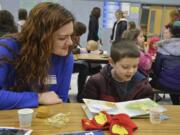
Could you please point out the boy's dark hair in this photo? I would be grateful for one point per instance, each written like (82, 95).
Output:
(124, 49)
(79, 28)
(22, 14)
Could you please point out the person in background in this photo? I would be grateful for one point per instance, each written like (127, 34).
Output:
(166, 33)
(93, 26)
(145, 61)
(80, 66)
(119, 80)
(37, 63)
(131, 25)
(22, 16)
(174, 14)
(152, 48)
(79, 30)
(93, 48)
(7, 23)
(167, 64)
(120, 25)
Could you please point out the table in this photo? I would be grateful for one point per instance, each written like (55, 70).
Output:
(95, 58)
(168, 127)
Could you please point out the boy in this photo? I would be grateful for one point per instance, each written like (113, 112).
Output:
(119, 80)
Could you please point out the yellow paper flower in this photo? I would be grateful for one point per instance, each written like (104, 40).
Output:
(117, 129)
(100, 118)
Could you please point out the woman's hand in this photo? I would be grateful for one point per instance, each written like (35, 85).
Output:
(49, 98)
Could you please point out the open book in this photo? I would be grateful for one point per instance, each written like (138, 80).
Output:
(14, 131)
(133, 108)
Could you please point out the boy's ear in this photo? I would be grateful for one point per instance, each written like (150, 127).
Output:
(111, 62)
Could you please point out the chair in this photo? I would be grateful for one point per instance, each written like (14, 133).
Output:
(175, 96)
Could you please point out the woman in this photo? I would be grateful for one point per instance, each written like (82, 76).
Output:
(36, 65)
(94, 24)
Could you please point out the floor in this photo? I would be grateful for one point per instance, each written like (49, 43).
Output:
(73, 92)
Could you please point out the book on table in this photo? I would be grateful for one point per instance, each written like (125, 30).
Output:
(133, 108)
(14, 131)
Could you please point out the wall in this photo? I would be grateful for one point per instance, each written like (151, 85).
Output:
(160, 2)
(13, 7)
(81, 10)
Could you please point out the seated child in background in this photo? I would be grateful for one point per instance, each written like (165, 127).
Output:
(83, 67)
(80, 67)
(131, 25)
(167, 64)
(119, 80)
(153, 47)
(145, 61)
(167, 33)
(91, 47)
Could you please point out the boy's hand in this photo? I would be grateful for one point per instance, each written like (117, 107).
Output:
(48, 98)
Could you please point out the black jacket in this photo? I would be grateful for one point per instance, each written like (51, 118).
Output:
(93, 28)
(118, 30)
(102, 86)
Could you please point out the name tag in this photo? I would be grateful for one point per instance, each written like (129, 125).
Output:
(51, 79)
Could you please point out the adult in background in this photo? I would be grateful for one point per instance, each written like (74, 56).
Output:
(36, 64)
(120, 25)
(93, 27)
(7, 23)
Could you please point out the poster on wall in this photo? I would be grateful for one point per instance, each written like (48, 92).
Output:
(134, 12)
(109, 9)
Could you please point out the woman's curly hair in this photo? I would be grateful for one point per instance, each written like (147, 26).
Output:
(36, 39)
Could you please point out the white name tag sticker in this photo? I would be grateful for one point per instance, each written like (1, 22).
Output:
(51, 79)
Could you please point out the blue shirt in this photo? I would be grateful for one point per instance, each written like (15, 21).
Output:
(61, 70)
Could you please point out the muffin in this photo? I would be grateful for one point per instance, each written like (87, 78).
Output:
(43, 112)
